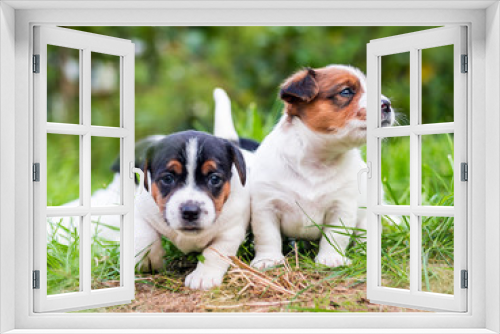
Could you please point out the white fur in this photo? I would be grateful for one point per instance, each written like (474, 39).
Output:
(291, 176)
(191, 153)
(223, 123)
(173, 212)
(102, 226)
(300, 176)
(223, 119)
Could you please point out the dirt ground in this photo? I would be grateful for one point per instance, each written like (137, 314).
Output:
(247, 290)
(342, 298)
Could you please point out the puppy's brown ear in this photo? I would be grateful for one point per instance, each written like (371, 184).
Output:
(239, 162)
(300, 87)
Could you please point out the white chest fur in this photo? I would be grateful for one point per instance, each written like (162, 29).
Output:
(303, 178)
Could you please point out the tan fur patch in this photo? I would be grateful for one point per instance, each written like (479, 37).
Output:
(222, 198)
(208, 166)
(175, 165)
(329, 111)
(157, 196)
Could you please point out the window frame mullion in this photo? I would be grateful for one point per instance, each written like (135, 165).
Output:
(415, 169)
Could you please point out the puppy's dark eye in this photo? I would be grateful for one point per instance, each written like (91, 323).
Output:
(168, 179)
(346, 92)
(214, 180)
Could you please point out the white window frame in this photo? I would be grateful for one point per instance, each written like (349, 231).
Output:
(124, 51)
(483, 21)
(414, 43)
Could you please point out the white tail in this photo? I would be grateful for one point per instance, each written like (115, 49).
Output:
(223, 120)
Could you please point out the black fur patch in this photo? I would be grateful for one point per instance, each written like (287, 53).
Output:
(248, 144)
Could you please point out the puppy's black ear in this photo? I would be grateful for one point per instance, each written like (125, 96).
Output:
(146, 166)
(239, 162)
(300, 87)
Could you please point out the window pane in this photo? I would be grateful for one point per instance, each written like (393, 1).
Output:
(437, 170)
(105, 171)
(395, 170)
(63, 170)
(63, 255)
(105, 90)
(105, 251)
(437, 84)
(437, 254)
(395, 79)
(63, 85)
(395, 254)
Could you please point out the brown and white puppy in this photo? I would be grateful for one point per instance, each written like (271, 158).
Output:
(196, 199)
(306, 169)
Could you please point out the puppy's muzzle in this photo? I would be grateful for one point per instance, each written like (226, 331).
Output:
(190, 213)
(386, 113)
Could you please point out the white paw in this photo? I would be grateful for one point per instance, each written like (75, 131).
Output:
(332, 259)
(263, 261)
(204, 278)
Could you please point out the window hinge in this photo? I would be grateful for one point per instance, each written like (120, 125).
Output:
(465, 279)
(36, 279)
(464, 171)
(36, 172)
(465, 64)
(36, 63)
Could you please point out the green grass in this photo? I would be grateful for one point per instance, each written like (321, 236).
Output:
(63, 258)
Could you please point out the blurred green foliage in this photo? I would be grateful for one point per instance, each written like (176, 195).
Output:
(177, 68)
(436, 84)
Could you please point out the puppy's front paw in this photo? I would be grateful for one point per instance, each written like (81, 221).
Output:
(204, 278)
(262, 261)
(332, 259)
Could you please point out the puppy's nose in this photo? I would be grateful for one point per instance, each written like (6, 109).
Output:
(385, 105)
(190, 212)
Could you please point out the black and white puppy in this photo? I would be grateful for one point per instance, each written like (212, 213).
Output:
(196, 198)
